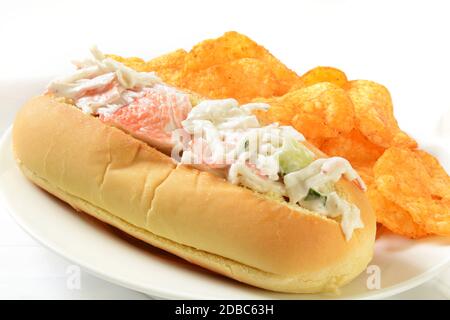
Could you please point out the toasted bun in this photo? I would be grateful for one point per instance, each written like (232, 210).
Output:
(195, 215)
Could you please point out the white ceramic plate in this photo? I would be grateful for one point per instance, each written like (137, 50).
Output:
(114, 256)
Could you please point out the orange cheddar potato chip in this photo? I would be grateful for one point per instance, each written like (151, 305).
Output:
(393, 216)
(229, 47)
(324, 74)
(322, 110)
(388, 213)
(375, 115)
(241, 79)
(169, 66)
(132, 62)
(403, 140)
(415, 181)
(366, 173)
(353, 146)
(233, 46)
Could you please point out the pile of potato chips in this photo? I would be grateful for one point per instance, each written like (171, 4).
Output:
(408, 189)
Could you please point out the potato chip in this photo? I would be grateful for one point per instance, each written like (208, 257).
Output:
(317, 141)
(241, 79)
(322, 110)
(132, 62)
(324, 74)
(394, 217)
(366, 173)
(374, 114)
(229, 47)
(233, 46)
(415, 181)
(353, 146)
(169, 66)
(403, 140)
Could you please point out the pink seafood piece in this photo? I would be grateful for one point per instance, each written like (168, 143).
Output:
(152, 116)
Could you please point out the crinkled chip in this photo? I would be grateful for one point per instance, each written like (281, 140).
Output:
(324, 74)
(403, 140)
(233, 46)
(353, 146)
(393, 216)
(366, 173)
(415, 181)
(241, 79)
(375, 116)
(169, 66)
(229, 47)
(322, 110)
(132, 62)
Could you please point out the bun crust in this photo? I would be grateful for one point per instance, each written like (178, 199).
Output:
(195, 215)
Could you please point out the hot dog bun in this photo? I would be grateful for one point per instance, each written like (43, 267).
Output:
(100, 170)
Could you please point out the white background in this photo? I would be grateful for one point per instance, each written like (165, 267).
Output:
(401, 44)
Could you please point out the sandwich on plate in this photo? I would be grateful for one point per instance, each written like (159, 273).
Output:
(203, 179)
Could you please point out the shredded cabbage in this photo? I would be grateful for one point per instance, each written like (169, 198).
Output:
(294, 156)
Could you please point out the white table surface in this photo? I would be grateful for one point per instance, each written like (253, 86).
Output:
(402, 44)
